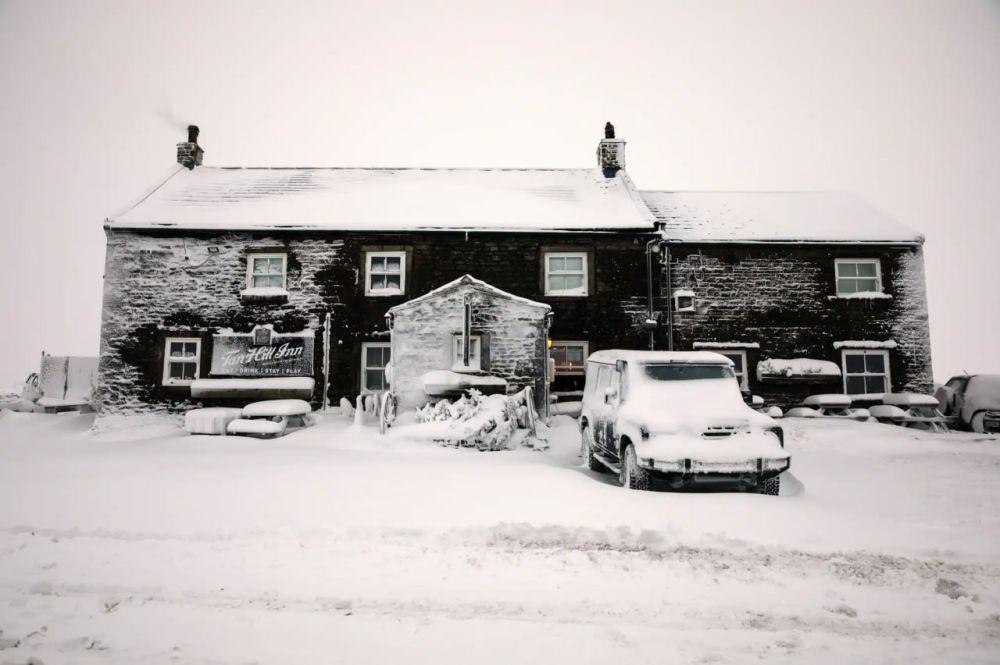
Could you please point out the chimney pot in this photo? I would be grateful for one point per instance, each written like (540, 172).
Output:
(193, 133)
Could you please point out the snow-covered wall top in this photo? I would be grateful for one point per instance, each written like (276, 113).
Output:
(389, 200)
(774, 217)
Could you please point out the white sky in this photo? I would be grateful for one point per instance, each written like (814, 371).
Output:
(897, 101)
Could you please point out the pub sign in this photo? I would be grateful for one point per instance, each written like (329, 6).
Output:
(262, 352)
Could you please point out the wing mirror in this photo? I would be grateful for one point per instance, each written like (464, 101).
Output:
(610, 394)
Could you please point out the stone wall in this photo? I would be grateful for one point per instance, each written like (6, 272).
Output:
(512, 340)
(159, 283)
(784, 299)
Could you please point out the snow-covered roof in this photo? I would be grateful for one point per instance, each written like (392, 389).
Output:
(389, 199)
(478, 284)
(779, 217)
(610, 356)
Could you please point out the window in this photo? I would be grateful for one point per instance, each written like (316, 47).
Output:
(569, 357)
(858, 276)
(687, 372)
(266, 271)
(181, 360)
(739, 359)
(566, 274)
(475, 351)
(866, 372)
(683, 300)
(385, 274)
(374, 357)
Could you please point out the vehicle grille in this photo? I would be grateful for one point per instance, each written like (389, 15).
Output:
(720, 431)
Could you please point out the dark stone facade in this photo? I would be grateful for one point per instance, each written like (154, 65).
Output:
(164, 283)
(783, 297)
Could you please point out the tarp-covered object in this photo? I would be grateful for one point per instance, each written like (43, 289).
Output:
(67, 382)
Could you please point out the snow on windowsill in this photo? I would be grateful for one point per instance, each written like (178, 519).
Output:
(726, 345)
(865, 344)
(802, 368)
(262, 292)
(862, 295)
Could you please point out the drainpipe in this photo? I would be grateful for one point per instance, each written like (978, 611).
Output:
(649, 292)
(670, 297)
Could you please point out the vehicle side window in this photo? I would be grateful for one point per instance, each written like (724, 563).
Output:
(603, 378)
(616, 381)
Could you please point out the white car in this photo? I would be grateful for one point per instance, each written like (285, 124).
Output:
(677, 417)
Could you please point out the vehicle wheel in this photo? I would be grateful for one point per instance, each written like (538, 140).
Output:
(633, 476)
(770, 486)
(976, 423)
(587, 450)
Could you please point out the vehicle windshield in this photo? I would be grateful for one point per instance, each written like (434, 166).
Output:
(678, 372)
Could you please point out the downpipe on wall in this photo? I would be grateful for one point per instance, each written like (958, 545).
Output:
(655, 246)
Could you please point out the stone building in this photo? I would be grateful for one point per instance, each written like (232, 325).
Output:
(226, 284)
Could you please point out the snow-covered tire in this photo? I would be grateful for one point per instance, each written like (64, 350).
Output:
(587, 451)
(771, 486)
(977, 422)
(633, 476)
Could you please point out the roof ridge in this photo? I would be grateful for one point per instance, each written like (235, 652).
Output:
(395, 168)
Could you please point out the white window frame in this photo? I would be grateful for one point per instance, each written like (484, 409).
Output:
(365, 390)
(251, 256)
(475, 350)
(582, 369)
(377, 293)
(745, 379)
(167, 381)
(584, 290)
(837, 277)
(866, 352)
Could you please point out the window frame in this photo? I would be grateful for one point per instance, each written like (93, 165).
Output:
(745, 380)
(582, 369)
(251, 256)
(837, 263)
(365, 390)
(475, 343)
(887, 375)
(583, 291)
(382, 293)
(166, 380)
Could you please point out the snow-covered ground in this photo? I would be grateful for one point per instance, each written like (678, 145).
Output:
(333, 544)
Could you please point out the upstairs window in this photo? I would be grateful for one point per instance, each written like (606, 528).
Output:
(566, 274)
(569, 357)
(181, 360)
(374, 358)
(866, 372)
(385, 273)
(266, 271)
(858, 276)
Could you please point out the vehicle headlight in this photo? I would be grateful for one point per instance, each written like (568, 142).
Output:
(774, 464)
(778, 432)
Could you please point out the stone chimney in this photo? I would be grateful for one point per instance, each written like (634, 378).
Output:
(610, 152)
(189, 153)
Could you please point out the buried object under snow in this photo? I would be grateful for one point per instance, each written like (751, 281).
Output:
(911, 410)
(485, 422)
(833, 405)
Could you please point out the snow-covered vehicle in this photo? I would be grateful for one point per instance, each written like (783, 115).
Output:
(973, 401)
(676, 418)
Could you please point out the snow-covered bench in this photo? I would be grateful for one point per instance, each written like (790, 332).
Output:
(210, 421)
(834, 405)
(270, 417)
(911, 410)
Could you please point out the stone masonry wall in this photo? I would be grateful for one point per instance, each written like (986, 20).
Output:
(160, 283)
(785, 300)
(512, 339)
